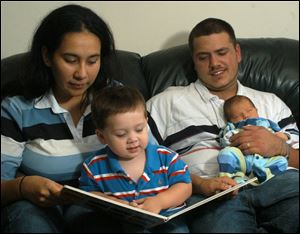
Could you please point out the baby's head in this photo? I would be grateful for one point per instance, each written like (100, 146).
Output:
(238, 108)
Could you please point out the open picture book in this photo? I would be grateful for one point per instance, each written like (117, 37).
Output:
(132, 214)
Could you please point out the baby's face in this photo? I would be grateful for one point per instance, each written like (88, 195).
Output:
(241, 111)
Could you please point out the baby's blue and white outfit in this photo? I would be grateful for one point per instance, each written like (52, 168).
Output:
(234, 164)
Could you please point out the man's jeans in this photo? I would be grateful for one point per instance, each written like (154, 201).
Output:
(269, 207)
(24, 217)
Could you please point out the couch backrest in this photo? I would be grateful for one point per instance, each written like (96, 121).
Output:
(268, 64)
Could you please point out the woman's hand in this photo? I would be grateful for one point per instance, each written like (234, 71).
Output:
(41, 191)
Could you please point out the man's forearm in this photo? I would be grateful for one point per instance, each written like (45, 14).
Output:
(294, 158)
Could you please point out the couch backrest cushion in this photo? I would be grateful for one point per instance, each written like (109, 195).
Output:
(268, 64)
(131, 71)
(272, 65)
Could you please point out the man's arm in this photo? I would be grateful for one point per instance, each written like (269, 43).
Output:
(259, 140)
(293, 158)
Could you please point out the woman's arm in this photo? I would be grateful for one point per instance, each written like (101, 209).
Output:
(10, 191)
(39, 190)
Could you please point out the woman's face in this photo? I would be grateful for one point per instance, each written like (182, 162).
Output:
(75, 64)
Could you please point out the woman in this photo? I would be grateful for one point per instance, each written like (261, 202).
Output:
(47, 132)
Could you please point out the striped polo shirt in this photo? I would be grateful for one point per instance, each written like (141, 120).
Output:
(163, 168)
(39, 137)
(188, 120)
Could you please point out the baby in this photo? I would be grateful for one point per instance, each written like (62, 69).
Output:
(240, 111)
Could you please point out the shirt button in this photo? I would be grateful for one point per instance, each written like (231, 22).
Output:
(130, 182)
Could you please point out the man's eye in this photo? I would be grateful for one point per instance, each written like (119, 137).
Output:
(223, 52)
(202, 57)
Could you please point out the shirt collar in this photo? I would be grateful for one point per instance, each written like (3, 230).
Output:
(49, 101)
(241, 89)
(113, 160)
(208, 96)
(152, 162)
(203, 91)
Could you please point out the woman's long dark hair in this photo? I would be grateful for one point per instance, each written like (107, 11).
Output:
(69, 18)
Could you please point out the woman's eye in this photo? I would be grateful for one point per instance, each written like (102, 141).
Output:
(92, 61)
(70, 60)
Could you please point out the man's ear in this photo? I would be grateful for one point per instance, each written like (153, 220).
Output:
(100, 136)
(46, 56)
(238, 52)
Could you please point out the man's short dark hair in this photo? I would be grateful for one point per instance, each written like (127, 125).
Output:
(210, 26)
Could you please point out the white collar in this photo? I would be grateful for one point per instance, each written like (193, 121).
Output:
(49, 101)
(207, 96)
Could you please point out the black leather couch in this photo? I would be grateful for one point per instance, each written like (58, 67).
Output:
(269, 64)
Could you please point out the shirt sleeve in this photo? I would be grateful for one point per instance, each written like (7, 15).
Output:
(12, 142)
(177, 170)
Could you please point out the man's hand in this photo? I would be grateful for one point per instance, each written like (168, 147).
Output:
(211, 186)
(257, 140)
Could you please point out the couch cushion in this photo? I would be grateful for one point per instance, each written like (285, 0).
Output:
(272, 65)
(131, 71)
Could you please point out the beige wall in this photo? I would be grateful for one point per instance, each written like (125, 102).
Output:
(145, 27)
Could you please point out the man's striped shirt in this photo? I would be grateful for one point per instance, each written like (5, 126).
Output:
(188, 120)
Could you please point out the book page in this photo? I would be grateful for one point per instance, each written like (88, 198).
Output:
(129, 213)
(111, 207)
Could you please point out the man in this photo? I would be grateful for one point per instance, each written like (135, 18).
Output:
(189, 118)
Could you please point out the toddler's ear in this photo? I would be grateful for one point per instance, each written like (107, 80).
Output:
(100, 136)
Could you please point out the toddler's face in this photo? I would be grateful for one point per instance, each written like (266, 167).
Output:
(126, 133)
